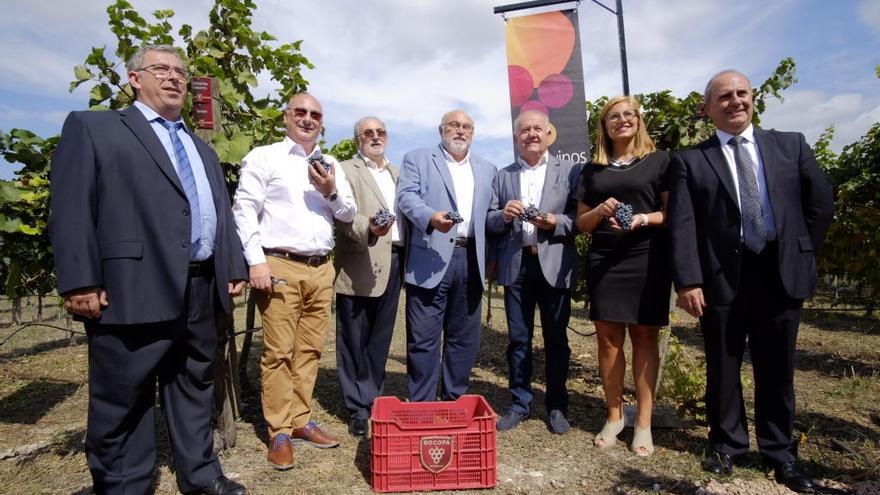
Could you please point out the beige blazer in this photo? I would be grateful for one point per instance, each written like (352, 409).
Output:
(363, 260)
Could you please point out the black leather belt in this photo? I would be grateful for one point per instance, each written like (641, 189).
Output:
(396, 249)
(462, 241)
(531, 250)
(313, 260)
(204, 268)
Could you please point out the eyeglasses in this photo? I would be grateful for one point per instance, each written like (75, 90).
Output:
(370, 133)
(302, 112)
(162, 71)
(458, 125)
(627, 115)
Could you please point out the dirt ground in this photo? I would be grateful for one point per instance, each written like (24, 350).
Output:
(43, 392)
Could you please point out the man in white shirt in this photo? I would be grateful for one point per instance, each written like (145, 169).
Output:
(444, 193)
(536, 258)
(284, 210)
(368, 260)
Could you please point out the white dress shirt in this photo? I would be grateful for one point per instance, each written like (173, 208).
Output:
(276, 205)
(383, 179)
(751, 146)
(531, 183)
(463, 182)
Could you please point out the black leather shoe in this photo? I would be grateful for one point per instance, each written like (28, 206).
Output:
(357, 427)
(718, 463)
(794, 477)
(223, 486)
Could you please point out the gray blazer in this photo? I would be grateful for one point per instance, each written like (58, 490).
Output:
(426, 187)
(556, 250)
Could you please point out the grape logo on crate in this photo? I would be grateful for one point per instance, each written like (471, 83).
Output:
(435, 453)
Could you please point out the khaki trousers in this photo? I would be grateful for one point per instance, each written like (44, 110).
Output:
(295, 316)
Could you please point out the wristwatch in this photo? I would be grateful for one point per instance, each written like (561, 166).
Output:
(331, 197)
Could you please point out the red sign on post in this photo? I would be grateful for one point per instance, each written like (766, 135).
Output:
(203, 109)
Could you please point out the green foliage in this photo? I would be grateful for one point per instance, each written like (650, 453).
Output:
(26, 266)
(684, 381)
(343, 150)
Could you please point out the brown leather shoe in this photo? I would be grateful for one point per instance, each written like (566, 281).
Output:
(280, 452)
(312, 434)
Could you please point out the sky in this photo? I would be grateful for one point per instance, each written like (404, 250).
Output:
(410, 61)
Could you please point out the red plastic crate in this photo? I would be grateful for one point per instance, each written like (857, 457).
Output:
(418, 446)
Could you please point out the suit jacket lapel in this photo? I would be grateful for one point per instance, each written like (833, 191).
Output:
(135, 121)
(767, 151)
(364, 170)
(551, 176)
(440, 162)
(715, 157)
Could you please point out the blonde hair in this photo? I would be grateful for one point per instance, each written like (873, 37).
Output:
(643, 142)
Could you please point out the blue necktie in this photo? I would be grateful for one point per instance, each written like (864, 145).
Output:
(187, 180)
(754, 232)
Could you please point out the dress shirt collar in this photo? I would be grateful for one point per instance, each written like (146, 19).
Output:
(297, 149)
(451, 159)
(541, 161)
(151, 114)
(748, 134)
(372, 164)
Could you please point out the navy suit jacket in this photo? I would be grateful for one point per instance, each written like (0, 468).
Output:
(424, 188)
(119, 218)
(556, 249)
(704, 216)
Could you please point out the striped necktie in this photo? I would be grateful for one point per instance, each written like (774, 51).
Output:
(187, 180)
(754, 232)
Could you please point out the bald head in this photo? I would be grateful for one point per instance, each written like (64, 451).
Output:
(728, 101)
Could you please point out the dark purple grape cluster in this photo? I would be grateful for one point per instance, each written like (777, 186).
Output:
(624, 215)
(454, 216)
(383, 218)
(318, 158)
(532, 213)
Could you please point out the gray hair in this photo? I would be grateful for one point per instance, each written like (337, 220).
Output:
(357, 125)
(528, 113)
(706, 91)
(137, 60)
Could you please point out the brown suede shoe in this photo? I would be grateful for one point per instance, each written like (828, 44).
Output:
(280, 452)
(312, 434)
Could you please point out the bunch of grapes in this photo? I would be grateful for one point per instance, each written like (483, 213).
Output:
(454, 216)
(383, 218)
(319, 158)
(624, 215)
(532, 213)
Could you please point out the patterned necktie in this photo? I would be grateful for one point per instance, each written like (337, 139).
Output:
(187, 180)
(754, 232)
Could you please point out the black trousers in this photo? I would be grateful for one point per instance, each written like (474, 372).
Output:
(520, 298)
(125, 363)
(448, 314)
(763, 315)
(364, 328)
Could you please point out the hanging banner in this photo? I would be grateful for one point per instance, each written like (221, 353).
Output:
(545, 73)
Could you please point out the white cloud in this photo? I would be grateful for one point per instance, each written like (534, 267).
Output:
(811, 112)
(869, 15)
(13, 114)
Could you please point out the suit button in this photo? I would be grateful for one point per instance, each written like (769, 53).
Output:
(451, 240)
(186, 212)
(736, 251)
(184, 243)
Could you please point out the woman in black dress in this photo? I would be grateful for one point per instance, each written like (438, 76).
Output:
(627, 274)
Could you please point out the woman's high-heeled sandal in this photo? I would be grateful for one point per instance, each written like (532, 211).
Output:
(642, 444)
(608, 436)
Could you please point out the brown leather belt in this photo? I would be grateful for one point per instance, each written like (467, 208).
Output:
(204, 268)
(532, 250)
(313, 260)
(462, 241)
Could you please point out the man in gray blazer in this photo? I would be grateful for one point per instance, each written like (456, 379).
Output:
(369, 273)
(444, 193)
(535, 256)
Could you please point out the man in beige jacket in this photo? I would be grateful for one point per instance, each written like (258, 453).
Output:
(369, 253)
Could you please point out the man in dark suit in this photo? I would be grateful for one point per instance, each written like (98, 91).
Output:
(369, 274)
(535, 259)
(145, 253)
(748, 210)
(444, 192)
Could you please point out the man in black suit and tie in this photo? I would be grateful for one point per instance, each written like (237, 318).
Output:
(748, 210)
(145, 253)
